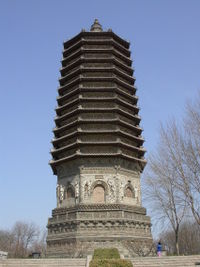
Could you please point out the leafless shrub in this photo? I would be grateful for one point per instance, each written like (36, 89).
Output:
(140, 248)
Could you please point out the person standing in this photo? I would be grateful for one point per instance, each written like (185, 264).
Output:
(159, 249)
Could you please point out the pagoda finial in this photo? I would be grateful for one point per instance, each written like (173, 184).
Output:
(96, 26)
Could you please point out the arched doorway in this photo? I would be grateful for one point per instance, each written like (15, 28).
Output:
(98, 194)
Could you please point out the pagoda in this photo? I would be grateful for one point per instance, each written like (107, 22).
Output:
(98, 153)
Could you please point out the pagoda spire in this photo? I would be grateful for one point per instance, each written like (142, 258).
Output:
(96, 26)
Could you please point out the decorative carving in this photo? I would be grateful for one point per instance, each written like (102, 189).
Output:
(98, 176)
(112, 190)
(101, 219)
(86, 190)
(60, 193)
(76, 189)
(121, 190)
(84, 207)
(137, 194)
(62, 190)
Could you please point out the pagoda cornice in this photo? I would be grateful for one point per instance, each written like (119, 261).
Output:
(126, 104)
(111, 51)
(80, 143)
(55, 151)
(78, 154)
(63, 138)
(81, 70)
(81, 109)
(138, 138)
(123, 83)
(113, 78)
(80, 132)
(64, 127)
(67, 105)
(76, 54)
(137, 128)
(67, 115)
(80, 99)
(84, 34)
(117, 131)
(73, 92)
(101, 206)
(140, 149)
(83, 50)
(109, 121)
(79, 89)
(70, 84)
(103, 41)
(83, 59)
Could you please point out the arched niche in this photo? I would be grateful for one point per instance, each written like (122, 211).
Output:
(99, 191)
(129, 191)
(70, 193)
(98, 195)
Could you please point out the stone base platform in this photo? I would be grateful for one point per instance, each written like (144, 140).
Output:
(172, 261)
(43, 263)
(77, 231)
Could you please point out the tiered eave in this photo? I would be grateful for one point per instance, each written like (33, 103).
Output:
(97, 112)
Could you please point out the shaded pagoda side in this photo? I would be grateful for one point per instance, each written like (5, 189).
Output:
(98, 152)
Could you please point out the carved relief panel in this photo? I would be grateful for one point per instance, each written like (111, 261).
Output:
(98, 186)
(67, 191)
(129, 188)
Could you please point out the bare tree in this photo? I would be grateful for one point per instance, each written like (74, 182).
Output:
(6, 240)
(39, 245)
(24, 235)
(173, 177)
(168, 240)
(189, 172)
(183, 152)
(168, 203)
(20, 240)
(189, 239)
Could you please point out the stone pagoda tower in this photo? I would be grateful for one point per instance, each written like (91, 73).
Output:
(97, 149)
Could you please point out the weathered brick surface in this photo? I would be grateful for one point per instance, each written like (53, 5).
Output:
(97, 151)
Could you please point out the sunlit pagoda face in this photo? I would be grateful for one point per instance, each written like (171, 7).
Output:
(97, 149)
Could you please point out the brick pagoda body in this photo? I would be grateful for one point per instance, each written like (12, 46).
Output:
(97, 152)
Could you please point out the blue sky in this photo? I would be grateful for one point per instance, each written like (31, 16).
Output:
(165, 43)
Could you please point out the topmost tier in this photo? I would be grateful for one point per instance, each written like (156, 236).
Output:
(97, 32)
